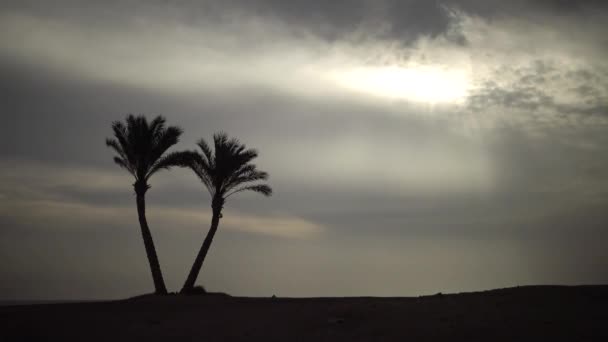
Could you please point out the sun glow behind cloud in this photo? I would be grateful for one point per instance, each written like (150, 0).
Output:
(426, 84)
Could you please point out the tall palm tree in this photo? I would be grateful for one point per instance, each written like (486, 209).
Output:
(140, 147)
(224, 172)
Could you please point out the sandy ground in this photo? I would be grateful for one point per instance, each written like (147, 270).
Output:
(537, 313)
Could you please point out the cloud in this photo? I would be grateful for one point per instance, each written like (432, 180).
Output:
(557, 93)
(503, 57)
(35, 193)
(77, 215)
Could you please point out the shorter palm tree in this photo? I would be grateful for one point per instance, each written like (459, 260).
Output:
(224, 172)
(140, 147)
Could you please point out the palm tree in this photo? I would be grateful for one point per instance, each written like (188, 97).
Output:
(140, 147)
(224, 172)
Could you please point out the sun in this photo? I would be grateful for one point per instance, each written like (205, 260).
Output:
(425, 84)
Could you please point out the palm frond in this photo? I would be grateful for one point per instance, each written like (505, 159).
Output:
(199, 165)
(243, 178)
(121, 134)
(162, 141)
(125, 165)
(263, 189)
(207, 153)
(157, 126)
(220, 139)
(181, 159)
(115, 145)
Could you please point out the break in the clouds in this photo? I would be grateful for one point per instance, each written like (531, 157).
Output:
(414, 146)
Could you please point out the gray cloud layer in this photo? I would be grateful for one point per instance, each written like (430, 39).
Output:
(374, 195)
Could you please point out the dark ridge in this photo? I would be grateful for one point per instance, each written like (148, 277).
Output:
(526, 313)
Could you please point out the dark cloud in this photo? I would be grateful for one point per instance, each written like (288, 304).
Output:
(404, 20)
(542, 87)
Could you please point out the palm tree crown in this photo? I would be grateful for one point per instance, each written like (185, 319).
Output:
(228, 170)
(141, 147)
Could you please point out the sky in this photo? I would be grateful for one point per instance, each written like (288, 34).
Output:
(413, 146)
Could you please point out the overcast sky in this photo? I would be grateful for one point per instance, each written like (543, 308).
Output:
(414, 146)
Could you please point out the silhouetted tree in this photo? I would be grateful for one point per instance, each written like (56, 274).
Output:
(140, 148)
(224, 172)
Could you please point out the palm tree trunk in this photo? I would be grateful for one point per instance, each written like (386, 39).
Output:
(157, 276)
(202, 253)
